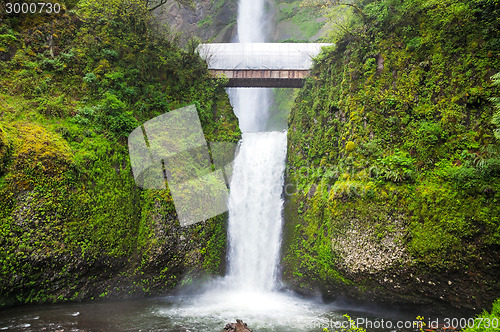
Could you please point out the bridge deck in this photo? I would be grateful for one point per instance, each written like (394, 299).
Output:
(269, 78)
(265, 65)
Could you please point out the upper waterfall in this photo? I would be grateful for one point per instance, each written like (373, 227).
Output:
(251, 21)
(251, 105)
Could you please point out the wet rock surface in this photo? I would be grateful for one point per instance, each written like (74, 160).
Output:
(375, 265)
(206, 20)
(239, 326)
(363, 250)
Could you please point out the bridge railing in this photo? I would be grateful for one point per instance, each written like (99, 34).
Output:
(233, 56)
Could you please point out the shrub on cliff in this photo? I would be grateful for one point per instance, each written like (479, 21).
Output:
(487, 321)
(400, 105)
(74, 223)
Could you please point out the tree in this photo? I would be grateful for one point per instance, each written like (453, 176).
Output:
(345, 16)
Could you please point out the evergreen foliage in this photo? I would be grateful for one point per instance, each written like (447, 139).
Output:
(487, 321)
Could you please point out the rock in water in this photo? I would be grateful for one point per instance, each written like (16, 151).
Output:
(239, 326)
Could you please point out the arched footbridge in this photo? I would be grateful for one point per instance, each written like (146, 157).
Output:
(261, 65)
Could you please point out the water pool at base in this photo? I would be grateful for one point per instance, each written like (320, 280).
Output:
(209, 312)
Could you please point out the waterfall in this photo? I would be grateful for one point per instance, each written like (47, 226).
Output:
(255, 203)
(251, 105)
(248, 291)
(251, 21)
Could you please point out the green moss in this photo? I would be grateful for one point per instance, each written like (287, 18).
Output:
(395, 123)
(73, 220)
(487, 320)
(301, 23)
(5, 149)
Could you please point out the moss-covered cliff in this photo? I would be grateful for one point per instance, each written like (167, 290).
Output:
(296, 22)
(394, 167)
(74, 225)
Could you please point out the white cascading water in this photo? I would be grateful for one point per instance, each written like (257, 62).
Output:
(251, 105)
(251, 21)
(255, 206)
(255, 220)
(255, 201)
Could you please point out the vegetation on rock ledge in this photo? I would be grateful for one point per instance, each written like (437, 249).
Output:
(73, 223)
(393, 135)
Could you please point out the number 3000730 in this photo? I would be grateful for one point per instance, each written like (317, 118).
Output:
(32, 8)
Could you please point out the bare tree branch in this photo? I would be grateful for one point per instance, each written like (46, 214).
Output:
(154, 4)
(333, 3)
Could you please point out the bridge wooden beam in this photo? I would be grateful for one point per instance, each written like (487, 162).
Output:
(256, 78)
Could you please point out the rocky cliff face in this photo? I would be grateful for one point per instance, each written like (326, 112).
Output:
(295, 22)
(74, 223)
(211, 21)
(215, 21)
(394, 173)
